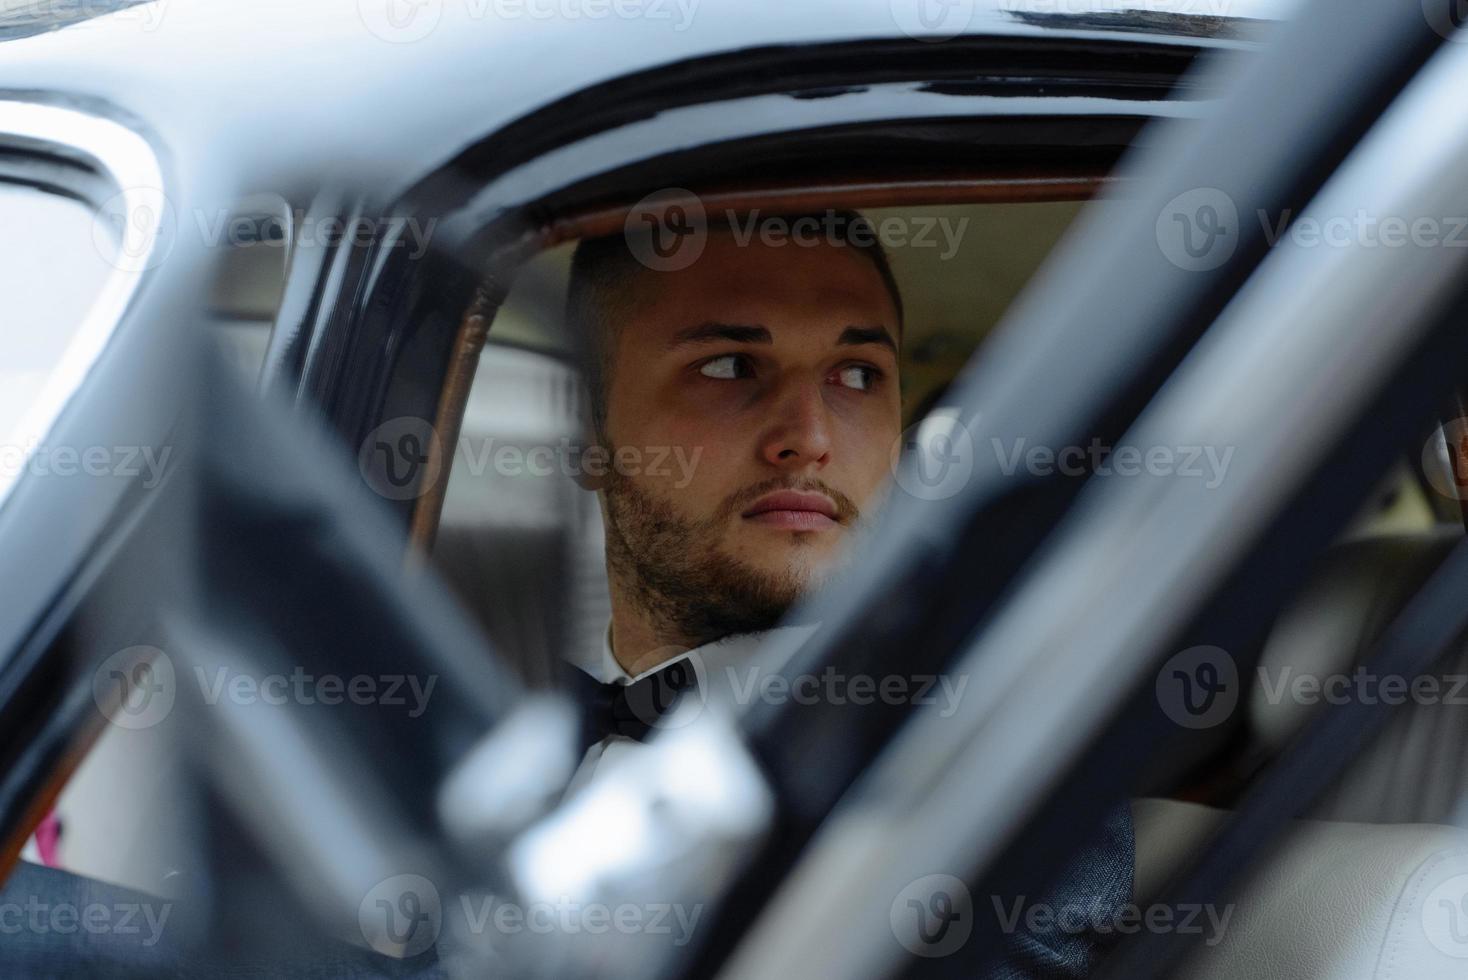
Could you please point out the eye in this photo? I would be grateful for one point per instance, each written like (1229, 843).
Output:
(858, 376)
(726, 368)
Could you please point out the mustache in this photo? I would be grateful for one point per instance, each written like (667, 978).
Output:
(847, 512)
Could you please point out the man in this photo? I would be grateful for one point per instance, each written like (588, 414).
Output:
(774, 367)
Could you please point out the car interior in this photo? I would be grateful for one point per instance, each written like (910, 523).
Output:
(1397, 816)
(1399, 809)
(981, 162)
(1395, 820)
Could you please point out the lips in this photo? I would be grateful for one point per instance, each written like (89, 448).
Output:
(794, 510)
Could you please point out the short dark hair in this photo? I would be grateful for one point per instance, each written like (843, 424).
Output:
(601, 293)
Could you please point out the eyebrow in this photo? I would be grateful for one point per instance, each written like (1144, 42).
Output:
(708, 332)
(867, 335)
(705, 333)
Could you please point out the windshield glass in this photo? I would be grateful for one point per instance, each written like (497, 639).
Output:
(56, 259)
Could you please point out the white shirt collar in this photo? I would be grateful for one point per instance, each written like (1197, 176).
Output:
(728, 650)
(767, 650)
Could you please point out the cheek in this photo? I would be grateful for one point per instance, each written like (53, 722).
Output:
(710, 439)
(869, 442)
(691, 465)
(665, 415)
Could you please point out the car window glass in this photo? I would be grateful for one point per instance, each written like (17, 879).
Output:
(252, 242)
(54, 261)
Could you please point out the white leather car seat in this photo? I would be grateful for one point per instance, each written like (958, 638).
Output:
(1416, 771)
(1337, 901)
(1375, 885)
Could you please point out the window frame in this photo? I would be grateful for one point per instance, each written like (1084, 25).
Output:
(86, 153)
(93, 160)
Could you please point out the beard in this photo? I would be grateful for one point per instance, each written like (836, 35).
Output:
(693, 592)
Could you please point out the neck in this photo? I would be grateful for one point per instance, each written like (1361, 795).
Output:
(639, 643)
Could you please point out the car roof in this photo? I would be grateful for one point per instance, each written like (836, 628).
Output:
(272, 88)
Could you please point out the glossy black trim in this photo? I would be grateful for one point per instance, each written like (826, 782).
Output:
(1112, 68)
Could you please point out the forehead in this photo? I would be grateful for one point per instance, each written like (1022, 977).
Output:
(782, 287)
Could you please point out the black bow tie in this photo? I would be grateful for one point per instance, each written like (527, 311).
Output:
(630, 710)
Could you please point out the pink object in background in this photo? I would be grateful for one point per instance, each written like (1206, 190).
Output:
(48, 837)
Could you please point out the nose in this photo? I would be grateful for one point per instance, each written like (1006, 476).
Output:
(799, 430)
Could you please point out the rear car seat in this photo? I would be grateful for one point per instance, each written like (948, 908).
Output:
(1337, 901)
(1416, 771)
(1375, 885)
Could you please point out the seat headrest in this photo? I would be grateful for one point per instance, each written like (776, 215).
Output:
(1329, 629)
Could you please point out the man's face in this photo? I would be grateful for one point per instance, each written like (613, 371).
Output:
(774, 371)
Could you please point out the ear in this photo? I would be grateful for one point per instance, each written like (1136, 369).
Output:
(593, 481)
